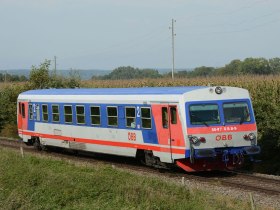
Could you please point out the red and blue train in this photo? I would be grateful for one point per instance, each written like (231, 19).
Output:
(196, 128)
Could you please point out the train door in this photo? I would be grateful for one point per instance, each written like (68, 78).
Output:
(168, 125)
(22, 117)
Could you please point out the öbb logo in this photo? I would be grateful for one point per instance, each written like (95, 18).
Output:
(131, 136)
(223, 137)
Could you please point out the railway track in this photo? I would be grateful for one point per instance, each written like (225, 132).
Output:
(271, 186)
(252, 183)
(244, 181)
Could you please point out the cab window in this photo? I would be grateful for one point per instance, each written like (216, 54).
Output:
(236, 112)
(204, 114)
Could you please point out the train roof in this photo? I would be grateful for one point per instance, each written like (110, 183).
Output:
(116, 91)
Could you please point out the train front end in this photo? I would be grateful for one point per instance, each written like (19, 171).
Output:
(221, 129)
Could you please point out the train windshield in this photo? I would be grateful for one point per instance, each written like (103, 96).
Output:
(206, 114)
(236, 112)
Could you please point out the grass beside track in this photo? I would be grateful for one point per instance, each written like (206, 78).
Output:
(33, 182)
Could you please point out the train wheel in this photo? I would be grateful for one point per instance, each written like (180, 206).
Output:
(147, 158)
(140, 155)
(37, 144)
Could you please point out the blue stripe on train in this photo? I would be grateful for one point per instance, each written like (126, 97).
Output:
(115, 91)
(149, 135)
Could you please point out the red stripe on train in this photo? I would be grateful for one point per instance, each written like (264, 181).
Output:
(222, 129)
(106, 143)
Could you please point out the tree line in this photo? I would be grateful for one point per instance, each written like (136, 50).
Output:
(5, 77)
(128, 72)
(258, 66)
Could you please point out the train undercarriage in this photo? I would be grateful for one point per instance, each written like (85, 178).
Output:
(222, 159)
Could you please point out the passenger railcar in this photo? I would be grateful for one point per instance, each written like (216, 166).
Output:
(195, 128)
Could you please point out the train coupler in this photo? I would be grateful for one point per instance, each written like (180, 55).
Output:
(238, 158)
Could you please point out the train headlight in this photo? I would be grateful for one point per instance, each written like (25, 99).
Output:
(218, 90)
(194, 140)
(251, 136)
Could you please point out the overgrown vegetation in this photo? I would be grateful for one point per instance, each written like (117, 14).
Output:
(8, 109)
(43, 183)
(40, 77)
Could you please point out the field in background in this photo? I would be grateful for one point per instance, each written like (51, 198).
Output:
(43, 183)
(9, 84)
(3, 85)
(247, 81)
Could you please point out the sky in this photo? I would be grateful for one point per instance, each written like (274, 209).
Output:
(106, 34)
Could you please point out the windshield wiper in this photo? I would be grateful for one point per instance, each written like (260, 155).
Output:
(243, 118)
(200, 120)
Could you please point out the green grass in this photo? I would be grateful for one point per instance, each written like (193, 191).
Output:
(33, 182)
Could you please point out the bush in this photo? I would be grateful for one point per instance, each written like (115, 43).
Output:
(40, 77)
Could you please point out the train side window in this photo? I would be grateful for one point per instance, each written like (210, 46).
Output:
(30, 111)
(146, 118)
(130, 117)
(112, 114)
(45, 112)
(68, 115)
(164, 116)
(19, 108)
(37, 112)
(55, 113)
(23, 110)
(95, 115)
(173, 113)
(80, 112)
